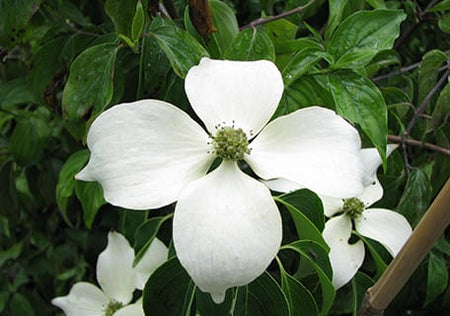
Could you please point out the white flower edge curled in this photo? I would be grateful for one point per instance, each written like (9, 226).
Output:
(148, 154)
(117, 279)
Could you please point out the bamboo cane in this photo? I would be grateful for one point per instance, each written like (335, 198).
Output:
(427, 232)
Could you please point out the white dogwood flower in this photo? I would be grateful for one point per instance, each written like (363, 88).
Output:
(117, 279)
(389, 228)
(226, 226)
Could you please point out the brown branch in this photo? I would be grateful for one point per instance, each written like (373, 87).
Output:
(200, 14)
(417, 143)
(261, 21)
(425, 235)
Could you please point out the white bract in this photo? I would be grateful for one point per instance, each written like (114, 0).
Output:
(385, 226)
(226, 227)
(117, 279)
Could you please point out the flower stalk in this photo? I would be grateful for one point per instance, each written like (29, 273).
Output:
(427, 232)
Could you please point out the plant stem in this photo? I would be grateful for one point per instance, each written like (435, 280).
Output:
(417, 143)
(427, 232)
(419, 111)
(261, 21)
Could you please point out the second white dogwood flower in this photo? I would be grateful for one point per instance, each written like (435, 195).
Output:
(226, 227)
(389, 228)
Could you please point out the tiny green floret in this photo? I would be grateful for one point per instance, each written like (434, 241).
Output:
(230, 143)
(112, 307)
(353, 207)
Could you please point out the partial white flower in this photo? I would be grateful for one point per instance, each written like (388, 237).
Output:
(385, 226)
(117, 279)
(226, 227)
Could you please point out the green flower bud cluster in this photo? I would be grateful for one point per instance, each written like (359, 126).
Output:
(230, 143)
(112, 307)
(353, 207)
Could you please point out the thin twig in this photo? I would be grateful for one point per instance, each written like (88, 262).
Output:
(421, 17)
(261, 21)
(406, 69)
(417, 143)
(419, 111)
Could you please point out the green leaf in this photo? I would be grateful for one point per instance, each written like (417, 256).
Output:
(308, 90)
(280, 31)
(336, 11)
(89, 88)
(292, 46)
(138, 22)
(251, 44)
(42, 78)
(309, 204)
(225, 22)
(416, 196)
(153, 65)
(14, 17)
(441, 6)
(377, 4)
(262, 297)
(145, 234)
(428, 72)
(206, 306)
(11, 253)
(182, 50)
(362, 35)
(301, 301)
(13, 93)
(122, 14)
(359, 100)
(441, 110)
(4, 226)
(317, 256)
(66, 180)
(90, 194)
(29, 139)
(437, 277)
(305, 228)
(360, 284)
(169, 291)
(444, 23)
(375, 252)
(8, 193)
(300, 64)
(20, 305)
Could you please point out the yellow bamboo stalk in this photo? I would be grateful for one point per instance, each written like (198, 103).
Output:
(427, 232)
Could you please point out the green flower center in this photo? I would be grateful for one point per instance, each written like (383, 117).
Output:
(230, 143)
(353, 207)
(112, 307)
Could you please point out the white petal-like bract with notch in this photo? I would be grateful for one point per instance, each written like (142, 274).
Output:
(226, 230)
(224, 92)
(114, 269)
(135, 309)
(155, 255)
(389, 228)
(83, 299)
(373, 191)
(345, 258)
(143, 153)
(313, 147)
